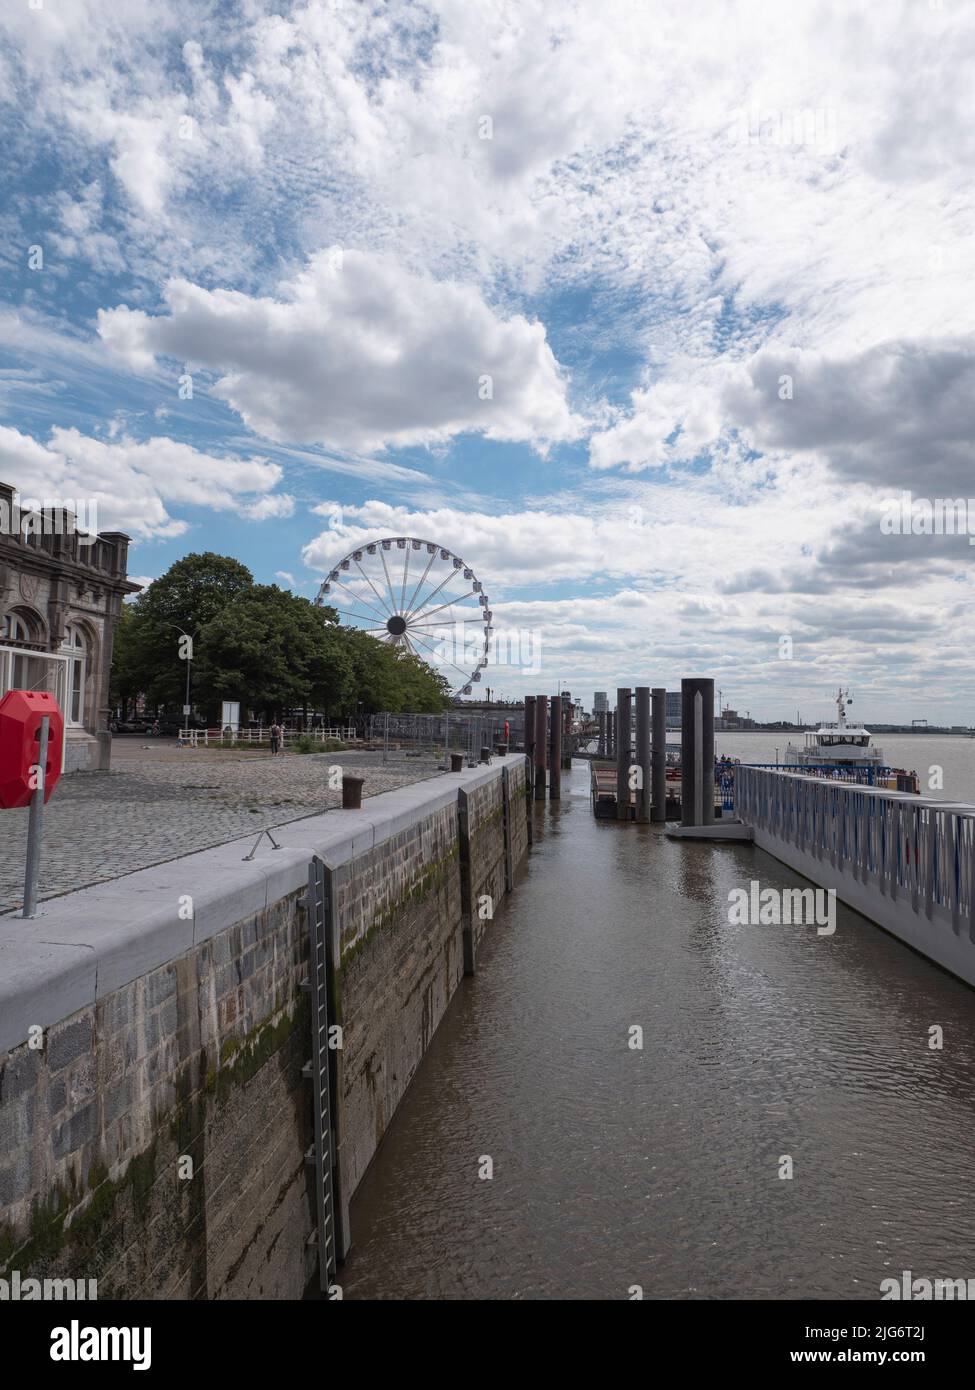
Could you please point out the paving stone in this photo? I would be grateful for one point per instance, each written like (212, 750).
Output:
(158, 803)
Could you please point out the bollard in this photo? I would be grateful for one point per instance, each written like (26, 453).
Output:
(642, 759)
(555, 759)
(624, 734)
(697, 751)
(541, 745)
(530, 739)
(485, 755)
(352, 793)
(457, 762)
(658, 755)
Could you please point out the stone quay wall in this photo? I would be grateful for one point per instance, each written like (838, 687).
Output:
(154, 1119)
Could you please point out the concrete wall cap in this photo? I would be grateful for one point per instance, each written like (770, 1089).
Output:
(85, 945)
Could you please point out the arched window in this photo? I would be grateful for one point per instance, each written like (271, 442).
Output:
(75, 645)
(15, 629)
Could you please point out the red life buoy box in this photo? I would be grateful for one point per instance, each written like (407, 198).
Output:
(21, 712)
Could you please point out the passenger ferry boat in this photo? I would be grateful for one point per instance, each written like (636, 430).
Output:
(836, 743)
(837, 746)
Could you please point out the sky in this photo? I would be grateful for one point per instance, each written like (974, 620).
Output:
(648, 311)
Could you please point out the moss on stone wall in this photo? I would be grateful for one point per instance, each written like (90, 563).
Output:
(52, 1234)
(242, 1058)
(433, 879)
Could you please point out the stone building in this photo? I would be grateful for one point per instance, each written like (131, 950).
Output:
(61, 594)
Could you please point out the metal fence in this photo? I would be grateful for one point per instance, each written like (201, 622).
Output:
(860, 774)
(911, 850)
(431, 738)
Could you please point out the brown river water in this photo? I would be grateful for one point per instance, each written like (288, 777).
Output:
(615, 1167)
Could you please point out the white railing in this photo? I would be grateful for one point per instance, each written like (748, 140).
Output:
(202, 738)
(911, 850)
(34, 670)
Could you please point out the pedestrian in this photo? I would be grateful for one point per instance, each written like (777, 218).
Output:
(275, 738)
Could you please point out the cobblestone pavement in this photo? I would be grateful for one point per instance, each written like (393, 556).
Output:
(159, 802)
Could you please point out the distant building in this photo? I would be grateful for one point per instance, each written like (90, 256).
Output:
(600, 702)
(61, 595)
(731, 719)
(673, 712)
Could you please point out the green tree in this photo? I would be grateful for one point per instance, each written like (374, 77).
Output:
(262, 646)
(387, 678)
(272, 651)
(189, 595)
(125, 681)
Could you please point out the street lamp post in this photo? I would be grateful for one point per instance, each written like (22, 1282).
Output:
(188, 659)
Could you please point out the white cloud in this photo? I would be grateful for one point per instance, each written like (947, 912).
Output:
(278, 504)
(358, 354)
(724, 194)
(665, 581)
(133, 484)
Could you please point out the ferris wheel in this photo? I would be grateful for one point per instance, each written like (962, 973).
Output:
(419, 597)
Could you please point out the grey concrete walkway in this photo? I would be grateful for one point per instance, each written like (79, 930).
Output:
(160, 801)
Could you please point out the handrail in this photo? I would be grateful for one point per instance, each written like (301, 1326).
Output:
(905, 846)
(196, 738)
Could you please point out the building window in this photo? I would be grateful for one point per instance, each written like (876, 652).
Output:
(16, 630)
(76, 646)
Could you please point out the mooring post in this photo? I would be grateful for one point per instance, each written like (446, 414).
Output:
(624, 736)
(566, 735)
(541, 745)
(468, 939)
(658, 755)
(530, 740)
(697, 751)
(601, 737)
(555, 761)
(642, 759)
(610, 733)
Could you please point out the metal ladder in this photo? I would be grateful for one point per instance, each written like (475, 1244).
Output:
(320, 1070)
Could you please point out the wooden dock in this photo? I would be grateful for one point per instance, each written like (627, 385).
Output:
(603, 794)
